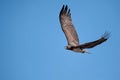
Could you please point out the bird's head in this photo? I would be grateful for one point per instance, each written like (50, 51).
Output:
(69, 47)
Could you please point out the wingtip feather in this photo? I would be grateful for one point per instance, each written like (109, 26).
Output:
(65, 10)
(106, 35)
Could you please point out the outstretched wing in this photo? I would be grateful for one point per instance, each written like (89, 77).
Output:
(95, 43)
(67, 26)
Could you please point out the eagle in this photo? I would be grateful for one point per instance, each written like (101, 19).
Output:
(72, 36)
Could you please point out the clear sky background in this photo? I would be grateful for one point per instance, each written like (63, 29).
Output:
(32, 42)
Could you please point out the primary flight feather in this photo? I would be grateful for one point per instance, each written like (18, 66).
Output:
(71, 34)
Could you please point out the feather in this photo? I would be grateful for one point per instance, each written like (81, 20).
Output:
(96, 42)
(68, 27)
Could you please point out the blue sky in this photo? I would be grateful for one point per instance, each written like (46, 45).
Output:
(32, 42)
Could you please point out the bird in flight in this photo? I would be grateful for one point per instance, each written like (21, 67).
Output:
(71, 34)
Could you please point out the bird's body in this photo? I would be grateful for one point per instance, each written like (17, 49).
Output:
(71, 34)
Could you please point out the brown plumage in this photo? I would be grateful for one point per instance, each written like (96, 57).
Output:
(71, 34)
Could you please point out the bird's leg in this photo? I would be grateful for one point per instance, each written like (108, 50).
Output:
(87, 52)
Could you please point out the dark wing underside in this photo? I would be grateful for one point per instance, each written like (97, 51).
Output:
(67, 26)
(95, 43)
